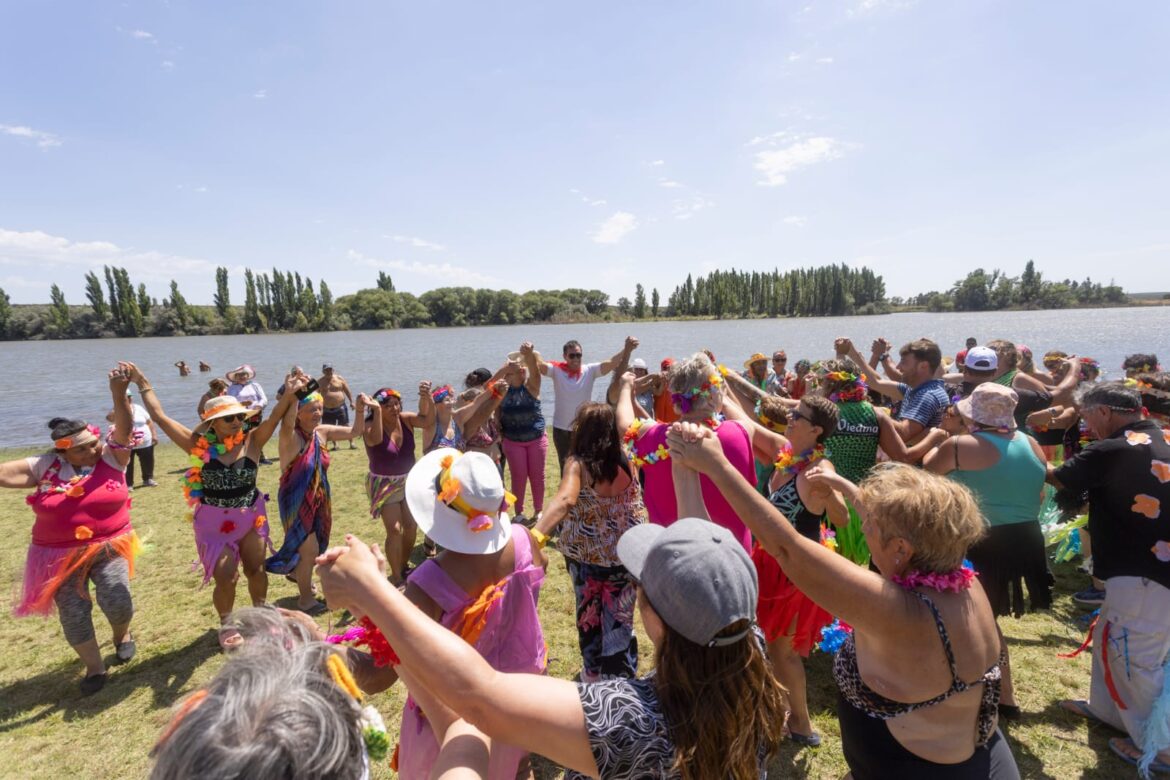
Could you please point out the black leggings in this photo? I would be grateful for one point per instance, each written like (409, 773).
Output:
(146, 456)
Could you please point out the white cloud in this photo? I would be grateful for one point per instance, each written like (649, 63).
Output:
(167, 65)
(201, 188)
(669, 184)
(598, 202)
(825, 60)
(685, 209)
(451, 275)
(793, 56)
(38, 250)
(776, 164)
(614, 229)
(260, 94)
(774, 138)
(866, 7)
(142, 35)
(658, 163)
(418, 243)
(42, 139)
(587, 200)
(795, 220)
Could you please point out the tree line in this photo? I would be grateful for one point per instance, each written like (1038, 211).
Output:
(283, 301)
(982, 291)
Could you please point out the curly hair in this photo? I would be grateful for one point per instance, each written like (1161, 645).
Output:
(691, 373)
(938, 517)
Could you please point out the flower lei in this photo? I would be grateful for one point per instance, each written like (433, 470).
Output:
(789, 463)
(857, 390)
(685, 399)
(201, 453)
(630, 442)
(952, 581)
(366, 633)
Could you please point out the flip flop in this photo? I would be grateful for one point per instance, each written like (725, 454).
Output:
(317, 609)
(1118, 745)
(1081, 707)
(125, 651)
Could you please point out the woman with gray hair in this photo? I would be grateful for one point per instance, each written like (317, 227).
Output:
(697, 391)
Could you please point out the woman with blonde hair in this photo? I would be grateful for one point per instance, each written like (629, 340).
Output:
(919, 674)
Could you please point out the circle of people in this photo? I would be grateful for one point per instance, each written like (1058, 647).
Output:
(882, 508)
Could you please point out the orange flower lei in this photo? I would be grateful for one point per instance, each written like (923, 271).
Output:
(201, 453)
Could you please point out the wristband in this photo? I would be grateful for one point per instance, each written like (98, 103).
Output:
(885, 356)
(541, 539)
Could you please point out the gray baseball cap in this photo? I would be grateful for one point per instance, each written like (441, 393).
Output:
(698, 578)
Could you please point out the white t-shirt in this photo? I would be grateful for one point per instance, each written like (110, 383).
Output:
(571, 393)
(141, 418)
(40, 464)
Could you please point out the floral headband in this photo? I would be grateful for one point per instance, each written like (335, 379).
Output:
(386, 393)
(448, 490)
(685, 400)
(1144, 368)
(442, 394)
(853, 387)
(85, 436)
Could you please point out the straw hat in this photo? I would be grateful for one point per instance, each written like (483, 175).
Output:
(456, 499)
(222, 406)
(757, 357)
(246, 368)
(990, 405)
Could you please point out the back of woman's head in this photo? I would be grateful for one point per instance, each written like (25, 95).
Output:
(217, 386)
(63, 426)
(938, 517)
(689, 376)
(266, 716)
(838, 375)
(722, 704)
(595, 441)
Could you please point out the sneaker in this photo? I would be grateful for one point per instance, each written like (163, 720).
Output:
(92, 684)
(150, 483)
(1090, 597)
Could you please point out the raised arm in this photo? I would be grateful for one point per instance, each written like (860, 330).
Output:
(1063, 393)
(620, 357)
(859, 597)
(564, 500)
(289, 445)
(355, 429)
(475, 415)
(880, 355)
(177, 432)
(536, 712)
(263, 432)
(532, 382)
(624, 411)
(873, 378)
(426, 407)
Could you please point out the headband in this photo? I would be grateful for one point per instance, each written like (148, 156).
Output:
(685, 399)
(385, 393)
(312, 397)
(442, 394)
(84, 436)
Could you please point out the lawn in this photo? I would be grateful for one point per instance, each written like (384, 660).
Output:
(48, 730)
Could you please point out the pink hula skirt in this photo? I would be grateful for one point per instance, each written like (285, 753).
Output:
(218, 528)
(46, 569)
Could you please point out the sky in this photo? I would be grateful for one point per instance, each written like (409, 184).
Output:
(527, 145)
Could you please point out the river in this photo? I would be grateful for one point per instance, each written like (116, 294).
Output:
(67, 378)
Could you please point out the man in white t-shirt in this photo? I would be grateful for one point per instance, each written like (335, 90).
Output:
(573, 385)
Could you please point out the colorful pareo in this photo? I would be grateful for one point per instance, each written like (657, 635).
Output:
(605, 620)
(305, 504)
(383, 489)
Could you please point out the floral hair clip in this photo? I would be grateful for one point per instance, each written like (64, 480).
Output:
(85, 436)
(442, 394)
(385, 394)
(685, 400)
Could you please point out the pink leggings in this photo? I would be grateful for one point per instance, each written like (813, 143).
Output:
(526, 462)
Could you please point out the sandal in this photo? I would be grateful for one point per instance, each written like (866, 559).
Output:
(318, 608)
(1121, 747)
(1080, 707)
(812, 740)
(92, 684)
(125, 650)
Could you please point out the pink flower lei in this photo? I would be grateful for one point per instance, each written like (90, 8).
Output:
(951, 582)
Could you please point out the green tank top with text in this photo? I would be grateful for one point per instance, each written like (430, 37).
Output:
(853, 448)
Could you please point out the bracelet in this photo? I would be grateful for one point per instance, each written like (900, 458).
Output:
(884, 357)
(541, 539)
(147, 389)
(496, 392)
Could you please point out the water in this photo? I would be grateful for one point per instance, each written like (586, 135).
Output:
(68, 378)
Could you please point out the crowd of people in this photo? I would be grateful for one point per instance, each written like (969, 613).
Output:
(884, 508)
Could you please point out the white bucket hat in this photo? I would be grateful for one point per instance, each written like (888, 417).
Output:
(457, 498)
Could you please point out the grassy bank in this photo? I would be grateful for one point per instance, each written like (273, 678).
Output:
(48, 730)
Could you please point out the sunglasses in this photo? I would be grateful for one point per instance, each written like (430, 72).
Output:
(573, 355)
(794, 415)
(233, 417)
(779, 360)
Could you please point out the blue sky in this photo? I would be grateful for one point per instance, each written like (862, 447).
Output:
(527, 145)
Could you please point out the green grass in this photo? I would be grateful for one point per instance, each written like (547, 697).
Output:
(48, 730)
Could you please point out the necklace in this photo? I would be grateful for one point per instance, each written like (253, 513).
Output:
(630, 442)
(788, 463)
(201, 453)
(952, 581)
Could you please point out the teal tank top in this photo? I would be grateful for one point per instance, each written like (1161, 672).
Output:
(1011, 491)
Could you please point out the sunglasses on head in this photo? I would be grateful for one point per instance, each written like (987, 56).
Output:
(573, 355)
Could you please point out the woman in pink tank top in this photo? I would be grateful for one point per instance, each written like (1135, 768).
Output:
(483, 586)
(696, 386)
(82, 532)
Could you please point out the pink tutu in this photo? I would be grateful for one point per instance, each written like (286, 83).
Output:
(218, 528)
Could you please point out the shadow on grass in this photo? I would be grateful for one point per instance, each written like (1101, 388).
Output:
(1070, 728)
(29, 701)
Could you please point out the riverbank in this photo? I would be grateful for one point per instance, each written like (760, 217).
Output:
(49, 731)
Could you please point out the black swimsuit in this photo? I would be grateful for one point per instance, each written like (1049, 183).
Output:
(871, 750)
